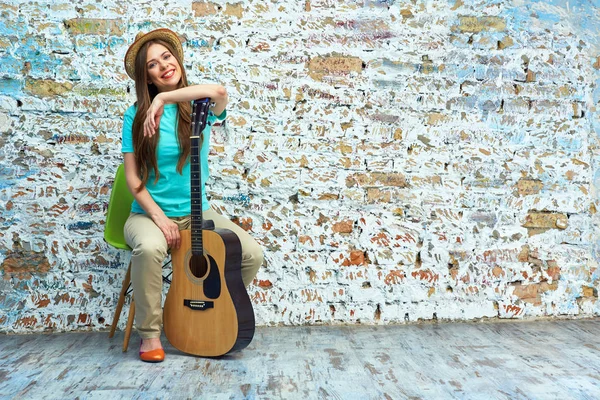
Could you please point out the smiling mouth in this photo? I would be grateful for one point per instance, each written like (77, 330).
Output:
(168, 74)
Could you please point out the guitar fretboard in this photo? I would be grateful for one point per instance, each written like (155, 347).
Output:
(199, 118)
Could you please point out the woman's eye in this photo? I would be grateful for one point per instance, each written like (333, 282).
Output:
(151, 65)
(167, 56)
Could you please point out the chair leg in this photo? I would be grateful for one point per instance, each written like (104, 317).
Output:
(129, 324)
(121, 301)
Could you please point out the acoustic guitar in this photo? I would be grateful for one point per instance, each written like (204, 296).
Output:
(207, 310)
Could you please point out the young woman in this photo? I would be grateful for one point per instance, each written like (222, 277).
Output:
(156, 149)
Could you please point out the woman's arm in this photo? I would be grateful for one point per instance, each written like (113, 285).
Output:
(168, 227)
(217, 94)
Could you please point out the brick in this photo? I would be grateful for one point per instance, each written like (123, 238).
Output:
(393, 277)
(426, 275)
(537, 222)
(531, 293)
(243, 222)
(357, 257)
(235, 10)
(553, 270)
(21, 264)
(406, 14)
(348, 258)
(204, 8)
(26, 322)
(46, 87)
(95, 26)
(527, 293)
(473, 24)
(376, 179)
(345, 226)
(526, 187)
(506, 42)
(523, 254)
(589, 291)
(510, 311)
(336, 65)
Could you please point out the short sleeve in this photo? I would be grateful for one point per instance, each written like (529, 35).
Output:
(222, 116)
(212, 117)
(127, 135)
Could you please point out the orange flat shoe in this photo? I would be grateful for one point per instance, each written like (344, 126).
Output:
(152, 356)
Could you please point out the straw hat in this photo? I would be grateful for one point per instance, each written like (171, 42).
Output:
(161, 34)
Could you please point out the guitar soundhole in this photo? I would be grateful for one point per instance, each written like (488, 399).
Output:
(198, 266)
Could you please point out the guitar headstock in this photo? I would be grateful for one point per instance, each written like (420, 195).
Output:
(200, 111)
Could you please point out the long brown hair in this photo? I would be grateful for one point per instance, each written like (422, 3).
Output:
(144, 148)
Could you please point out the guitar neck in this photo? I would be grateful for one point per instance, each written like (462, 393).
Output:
(199, 119)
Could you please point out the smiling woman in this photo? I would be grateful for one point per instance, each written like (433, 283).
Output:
(156, 146)
(163, 68)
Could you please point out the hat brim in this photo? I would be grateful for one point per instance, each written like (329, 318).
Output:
(163, 34)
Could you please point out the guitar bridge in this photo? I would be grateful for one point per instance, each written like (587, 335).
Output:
(198, 305)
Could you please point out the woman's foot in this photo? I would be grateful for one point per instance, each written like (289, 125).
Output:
(151, 350)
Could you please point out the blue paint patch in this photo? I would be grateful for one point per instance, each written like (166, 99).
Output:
(480, 72)
(596, 274)
(379, 3)
(518, 137)
(116, 41)
(582, 17)
(100, 45)
(6, 171)
(60, 45)
(11, 87)
(146, 25)
(53, 285)
(196, 43)
(10, 65)
(13, 28)
(41, 64)
(569, 143)
(585, 4)
(44, 65)
(596, 92)
(595, 124)
(111, 42)
(465, 72)
(547, 17)
(239, 199)
(82, 225)
(401, 67)
(597, 186)
(9, 218)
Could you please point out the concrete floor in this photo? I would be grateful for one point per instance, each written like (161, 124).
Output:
(489, 360)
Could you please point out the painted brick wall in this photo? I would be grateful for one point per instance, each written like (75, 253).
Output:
(399, 161)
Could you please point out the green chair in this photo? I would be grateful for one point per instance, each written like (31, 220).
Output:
(119, 208)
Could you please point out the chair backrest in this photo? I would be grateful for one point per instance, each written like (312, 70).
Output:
(119, 208)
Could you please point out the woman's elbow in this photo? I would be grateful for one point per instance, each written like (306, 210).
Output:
(222, 92)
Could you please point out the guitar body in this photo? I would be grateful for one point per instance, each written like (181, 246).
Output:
(210, 314)
(207, 311)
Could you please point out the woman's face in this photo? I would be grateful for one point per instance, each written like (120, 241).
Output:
(163, 69)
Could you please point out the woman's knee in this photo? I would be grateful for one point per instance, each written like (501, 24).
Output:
(253, 256)
(155, 249)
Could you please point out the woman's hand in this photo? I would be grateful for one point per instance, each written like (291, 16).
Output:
(170, 230)
(153, 115)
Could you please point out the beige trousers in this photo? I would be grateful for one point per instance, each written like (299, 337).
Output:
(149, 252)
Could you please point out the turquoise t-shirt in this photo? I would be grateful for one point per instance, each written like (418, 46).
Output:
(172, 190)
